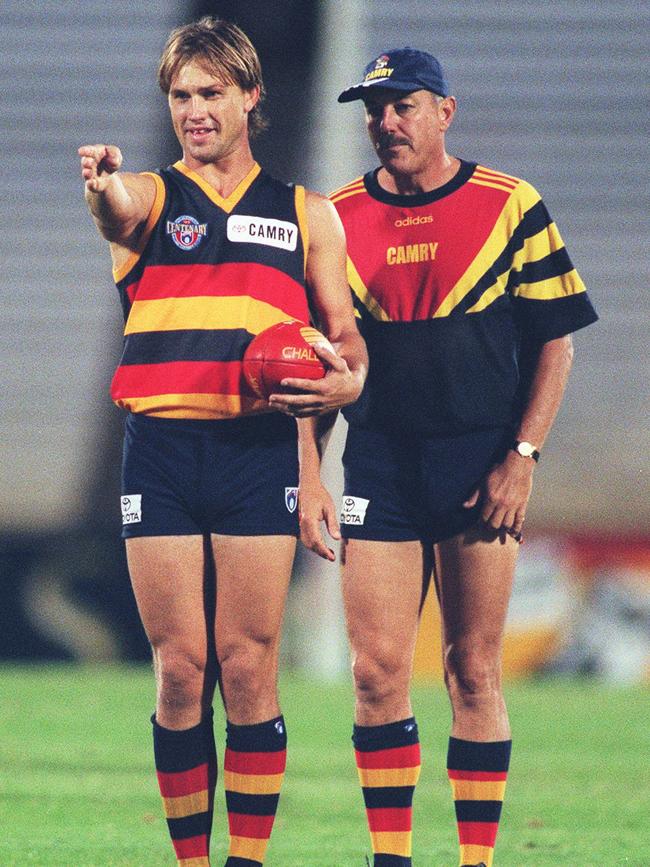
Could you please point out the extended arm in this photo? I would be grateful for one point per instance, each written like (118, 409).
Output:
(119, 202)
(506, 489)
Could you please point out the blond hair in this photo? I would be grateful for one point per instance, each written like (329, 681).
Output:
(222, 48)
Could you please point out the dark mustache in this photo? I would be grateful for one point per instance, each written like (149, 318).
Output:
(388, 141)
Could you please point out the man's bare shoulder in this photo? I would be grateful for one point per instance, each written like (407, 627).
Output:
(320, 208)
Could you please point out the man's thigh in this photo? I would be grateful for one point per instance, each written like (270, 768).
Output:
(474, 576)
(383, 589)
(168, 575)
(253, 574)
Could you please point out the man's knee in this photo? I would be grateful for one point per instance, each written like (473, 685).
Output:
(473, 670)
(247, 668)
(380, 674)
(180, 676)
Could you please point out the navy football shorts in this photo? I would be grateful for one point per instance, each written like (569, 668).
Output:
(401, 488)
(183, 477)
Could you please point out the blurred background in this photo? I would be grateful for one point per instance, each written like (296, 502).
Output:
(556, 93)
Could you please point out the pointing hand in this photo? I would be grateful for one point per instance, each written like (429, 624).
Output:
(98, 163)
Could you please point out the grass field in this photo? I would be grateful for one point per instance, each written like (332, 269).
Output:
(76, 784)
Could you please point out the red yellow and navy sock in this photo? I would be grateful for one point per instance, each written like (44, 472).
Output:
(388, 761)
(477, 773)
(254, 764)
(186, 764)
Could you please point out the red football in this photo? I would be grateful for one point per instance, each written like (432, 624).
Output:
(280, 351)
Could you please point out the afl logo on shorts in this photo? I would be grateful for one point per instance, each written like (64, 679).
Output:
(186, 232)
(291, 499)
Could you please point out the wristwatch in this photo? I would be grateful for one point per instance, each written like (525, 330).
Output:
(526, 450)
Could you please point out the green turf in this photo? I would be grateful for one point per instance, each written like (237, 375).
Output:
(77, 790)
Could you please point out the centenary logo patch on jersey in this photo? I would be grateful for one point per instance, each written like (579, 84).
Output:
(353, 510)
(131, 508)
(262, 230)
(291, 499)
(186, 232)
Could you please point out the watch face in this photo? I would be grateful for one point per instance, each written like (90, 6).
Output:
(525, 449)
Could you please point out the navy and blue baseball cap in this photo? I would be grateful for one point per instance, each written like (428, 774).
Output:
(406, 69)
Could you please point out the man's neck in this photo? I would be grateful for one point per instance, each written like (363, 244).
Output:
(433, 177)
(226, 174)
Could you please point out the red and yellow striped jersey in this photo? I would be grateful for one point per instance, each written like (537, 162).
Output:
(449, 286)
(209, 274)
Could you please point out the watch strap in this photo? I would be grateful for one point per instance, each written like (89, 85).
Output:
(525, 449)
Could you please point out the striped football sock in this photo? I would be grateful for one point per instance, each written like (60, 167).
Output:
(186, 764)
(388, 761)
(477, 773)
(255, 760)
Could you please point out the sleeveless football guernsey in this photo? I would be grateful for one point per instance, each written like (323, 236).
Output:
(209, 274)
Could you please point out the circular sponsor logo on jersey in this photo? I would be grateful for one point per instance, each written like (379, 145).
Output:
(186, 232)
